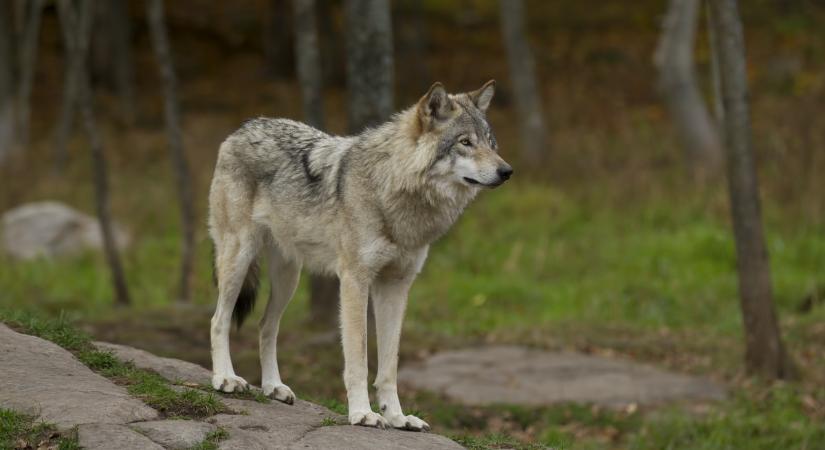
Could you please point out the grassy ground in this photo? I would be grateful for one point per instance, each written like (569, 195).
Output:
(19, 431)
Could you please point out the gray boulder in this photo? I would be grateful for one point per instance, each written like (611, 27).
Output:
(51, 229)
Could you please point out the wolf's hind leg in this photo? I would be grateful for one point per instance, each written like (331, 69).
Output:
(233, 256)
(389, 300)
(283, 277)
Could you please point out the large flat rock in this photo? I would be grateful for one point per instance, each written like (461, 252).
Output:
(42, 379)
(523, 376)
(106, 436)
(349, 437)
(175, 433)
(169, 368)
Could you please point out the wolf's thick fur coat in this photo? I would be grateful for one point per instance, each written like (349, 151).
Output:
(364, 208)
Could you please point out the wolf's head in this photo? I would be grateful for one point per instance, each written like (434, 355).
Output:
(464, 146)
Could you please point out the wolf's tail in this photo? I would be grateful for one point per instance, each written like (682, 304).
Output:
(247, 295)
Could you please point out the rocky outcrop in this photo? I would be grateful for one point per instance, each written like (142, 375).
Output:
(523, 376)
(45, 380)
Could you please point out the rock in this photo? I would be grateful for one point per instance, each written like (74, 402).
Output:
(169, 368)
(52, 229)
(175, 433)
(522, 376)
(41, 378)
(349, 437)
(109, 436)
(270, 424)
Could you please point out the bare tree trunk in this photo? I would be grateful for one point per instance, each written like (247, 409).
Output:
(74, 70)
(28, 61)
(323, 296)
(81, 23)
(369, 62)
(523, 77)
(715, 77)
(112, 54)
(765, 352)
(163, 53)
(7, 65)
(678, 86)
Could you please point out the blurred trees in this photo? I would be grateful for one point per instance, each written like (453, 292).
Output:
(33, 13)
(524, 83)
(765, 352)
(78, 23)
(112, 54)
(677, 84)
(7, 125)
(163, 55)
(323, 290)
(369, 63)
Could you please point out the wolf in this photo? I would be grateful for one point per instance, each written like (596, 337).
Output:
(364, 208)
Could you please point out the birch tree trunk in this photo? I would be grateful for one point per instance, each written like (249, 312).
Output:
(678, 86)
(28, 61)
(369, 62)
(523, 78)
(81, 22)
(7, 65)
(163, 54)
(323, 295)
(765, 352)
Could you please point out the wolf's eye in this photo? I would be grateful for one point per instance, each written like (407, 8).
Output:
(466, 142)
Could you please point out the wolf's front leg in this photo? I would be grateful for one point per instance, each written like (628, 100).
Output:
(354, 294)
(389, 301)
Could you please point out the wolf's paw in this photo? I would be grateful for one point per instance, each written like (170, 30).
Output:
(409, 423)
(229, 383)
(280, 392)
(368, 419)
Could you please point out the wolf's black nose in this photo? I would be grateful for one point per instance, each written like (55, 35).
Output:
(505, 172)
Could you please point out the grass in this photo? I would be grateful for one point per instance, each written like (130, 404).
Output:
(150, 387)
(23, 431)
(212, 440)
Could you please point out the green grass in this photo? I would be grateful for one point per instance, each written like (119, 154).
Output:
(530, 264)
(19, 430)
(212, 440)
(150, 387)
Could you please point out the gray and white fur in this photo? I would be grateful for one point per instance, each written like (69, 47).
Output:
(364, 208)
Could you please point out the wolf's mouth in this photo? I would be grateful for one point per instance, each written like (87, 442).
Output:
(479, 183)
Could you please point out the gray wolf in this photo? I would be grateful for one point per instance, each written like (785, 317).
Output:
(365, 208)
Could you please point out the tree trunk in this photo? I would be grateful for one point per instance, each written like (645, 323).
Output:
(28, 61)
(765, 352)
(678, 86)
(163, 54)
(369, 62)
(7, 122)
(323, 295)
(308, 61)
(332, 47)
(74, 70)
(81, 23)
(113, 54)
(523, 78)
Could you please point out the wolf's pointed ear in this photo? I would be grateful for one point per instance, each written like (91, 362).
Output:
(435, 105)
(484, 96)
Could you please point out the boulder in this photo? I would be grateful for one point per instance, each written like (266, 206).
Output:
(52, 229)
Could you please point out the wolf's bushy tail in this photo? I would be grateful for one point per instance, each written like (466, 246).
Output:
(247, 295)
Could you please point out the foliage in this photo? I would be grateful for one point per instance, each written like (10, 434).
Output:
(19, 430)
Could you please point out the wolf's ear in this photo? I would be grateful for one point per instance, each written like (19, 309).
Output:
(435, 105)
(484, 96)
